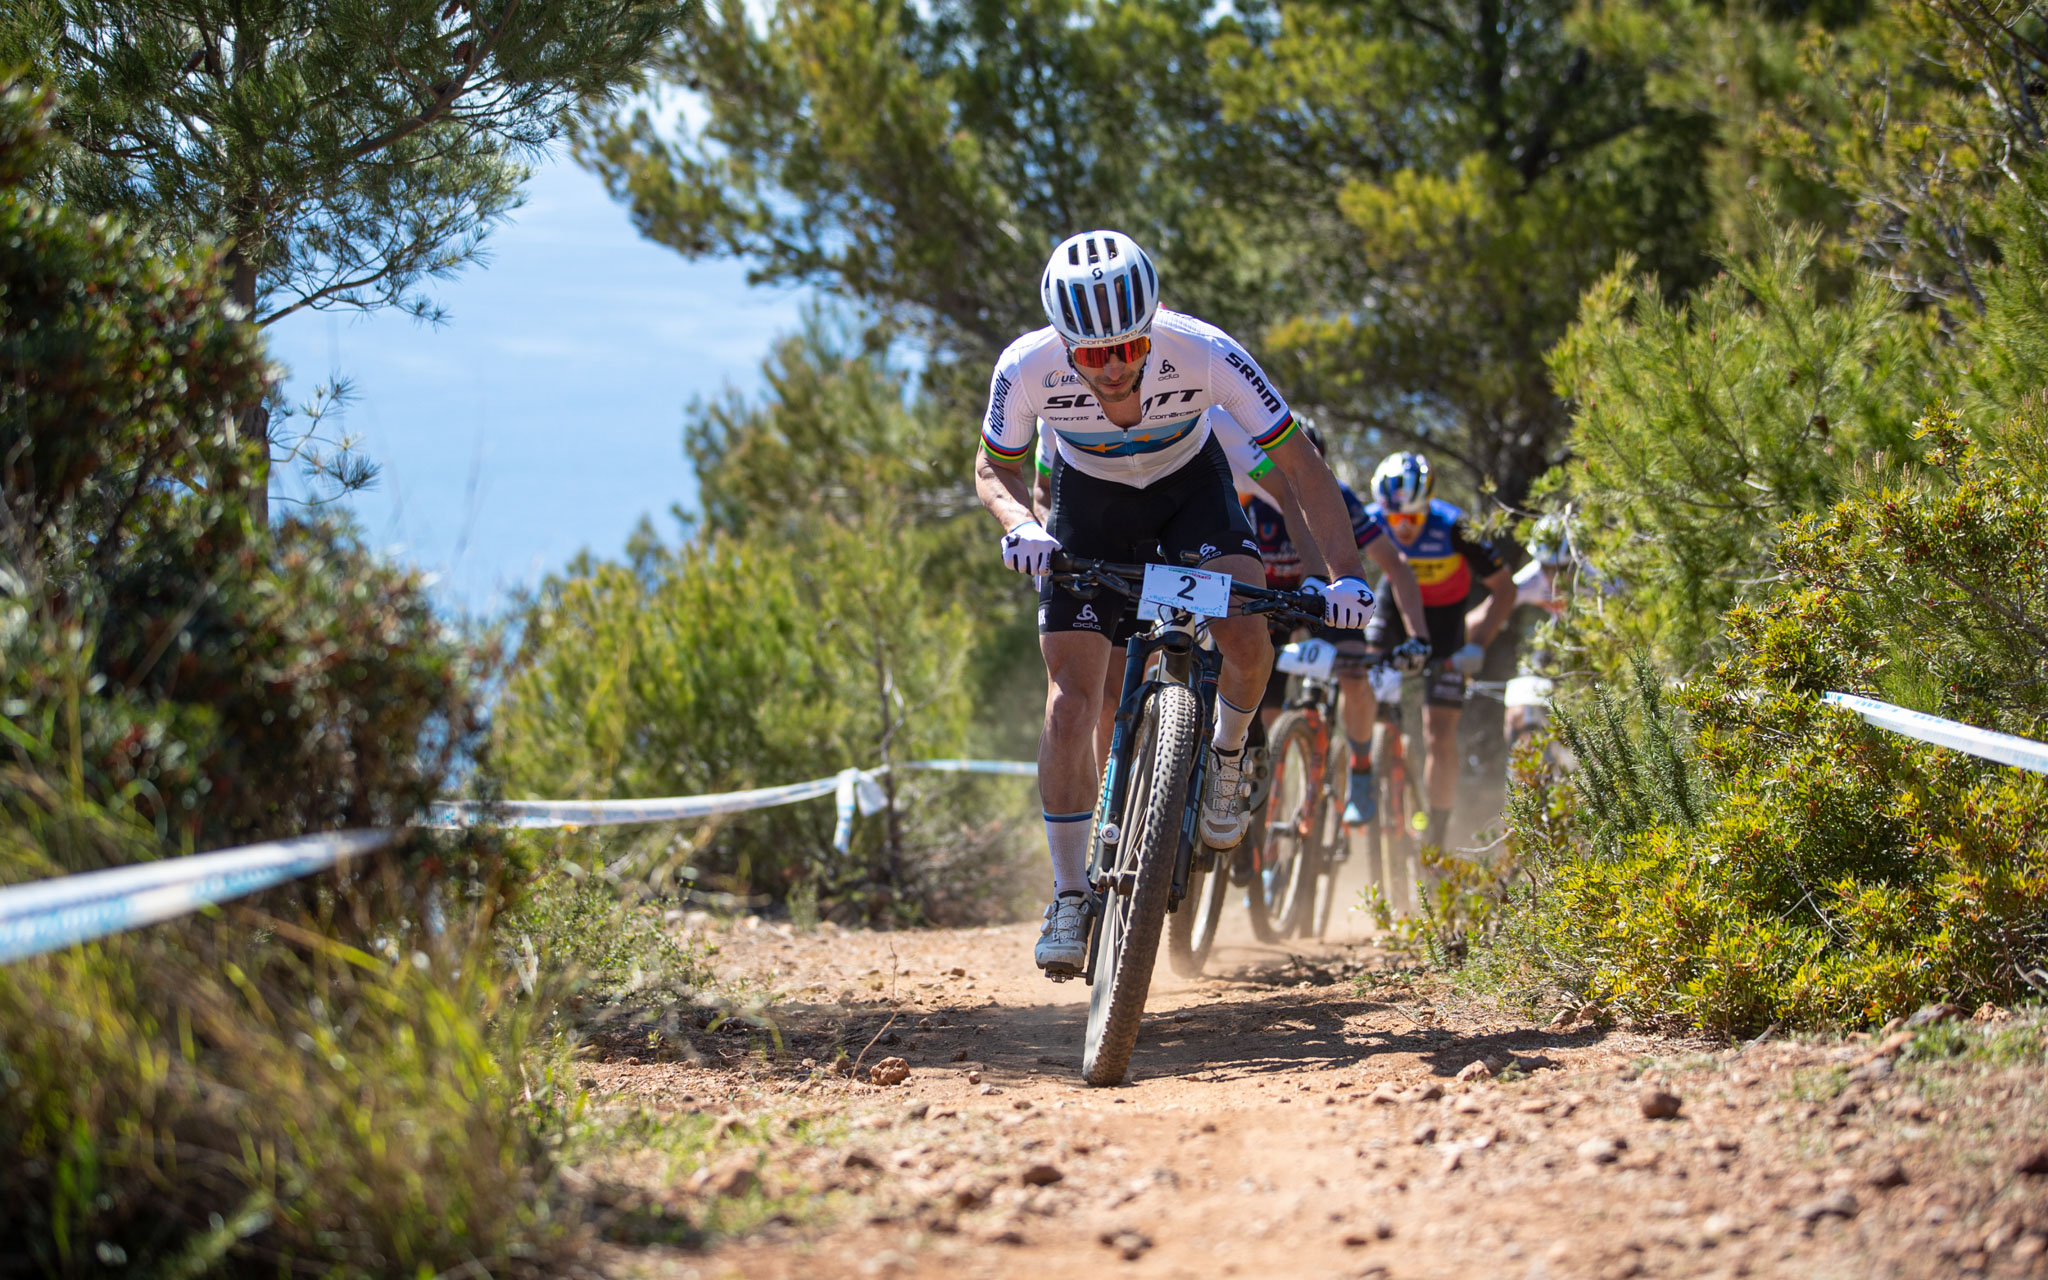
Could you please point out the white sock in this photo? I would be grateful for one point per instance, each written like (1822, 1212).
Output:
(1067, 835)
(1232, 724)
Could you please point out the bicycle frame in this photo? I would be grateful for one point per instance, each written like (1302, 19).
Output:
(1188, 657)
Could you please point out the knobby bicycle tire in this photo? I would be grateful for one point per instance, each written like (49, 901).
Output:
(1335, 838)
(1400, 801)
(1127, 937)
(1191, 929)
(1289, 861)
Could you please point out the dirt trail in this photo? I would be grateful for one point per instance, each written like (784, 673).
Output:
(1300, 1112)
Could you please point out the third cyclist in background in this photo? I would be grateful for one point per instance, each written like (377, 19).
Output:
(1433, 536)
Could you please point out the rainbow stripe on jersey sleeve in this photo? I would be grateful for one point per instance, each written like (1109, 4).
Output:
(1276, 433)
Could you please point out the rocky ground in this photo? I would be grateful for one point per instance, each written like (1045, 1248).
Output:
(1319, 1111)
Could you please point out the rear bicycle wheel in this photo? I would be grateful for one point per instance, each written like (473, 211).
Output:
(1287, 859)
(1389, 827)
(1333, 846)
(1191, 929)
(1404, 835)
(1140, 879)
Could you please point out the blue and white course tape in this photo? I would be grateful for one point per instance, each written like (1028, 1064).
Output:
(46, 915)
(2004, 748)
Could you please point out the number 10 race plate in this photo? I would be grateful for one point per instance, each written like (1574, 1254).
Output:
(1194, 590)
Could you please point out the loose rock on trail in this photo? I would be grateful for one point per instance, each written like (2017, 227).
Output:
(1316, 1111)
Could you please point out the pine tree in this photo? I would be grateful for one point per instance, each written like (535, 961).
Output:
(345, 151)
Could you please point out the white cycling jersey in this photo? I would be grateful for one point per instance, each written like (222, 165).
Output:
(1193, 366)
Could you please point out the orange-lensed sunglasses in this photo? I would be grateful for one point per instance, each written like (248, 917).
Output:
(1095, 357)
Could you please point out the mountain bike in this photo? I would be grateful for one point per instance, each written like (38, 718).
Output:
(1303, 840)
(1146, 861)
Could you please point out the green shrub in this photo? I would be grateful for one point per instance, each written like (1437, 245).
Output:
(741, 662)
(338, 1075)
(1698, 428)
(255, 1093)
(1820, 872)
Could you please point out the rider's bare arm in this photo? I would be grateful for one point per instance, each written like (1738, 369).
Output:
(1281, 490)
(1401, 581)
(1493, 615)
(1321, 504)
(1000, 486)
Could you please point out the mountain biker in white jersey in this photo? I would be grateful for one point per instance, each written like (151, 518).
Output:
(1123, 384)
(1256, 479)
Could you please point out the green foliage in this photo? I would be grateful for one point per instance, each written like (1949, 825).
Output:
(336, 1089)
(1699, 427)
(751, 661)
(1464, 173)
(348, 149)
(334, 1075)
(1917, 115)
(1630, 778)
(118, 369)
(1844, 874)
(923, 159)
(342, 152)
(227, 687)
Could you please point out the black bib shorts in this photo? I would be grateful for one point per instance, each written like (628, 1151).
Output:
(1189, 517)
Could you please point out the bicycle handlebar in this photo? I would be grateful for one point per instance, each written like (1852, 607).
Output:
(1306, 606)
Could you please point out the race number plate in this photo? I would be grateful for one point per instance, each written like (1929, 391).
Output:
(1194, 590)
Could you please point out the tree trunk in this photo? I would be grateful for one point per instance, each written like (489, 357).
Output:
(252, 421)
(892, 829)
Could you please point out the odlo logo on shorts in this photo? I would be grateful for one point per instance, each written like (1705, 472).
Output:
(1086, 618)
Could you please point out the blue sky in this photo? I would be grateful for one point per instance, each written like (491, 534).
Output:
(546, 415)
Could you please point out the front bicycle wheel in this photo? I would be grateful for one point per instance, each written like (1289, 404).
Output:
(1285, 878)
(1140, 880)
(1191, 929)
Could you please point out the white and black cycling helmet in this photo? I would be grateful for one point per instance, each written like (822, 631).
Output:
(1099, 288)
(1404, 484)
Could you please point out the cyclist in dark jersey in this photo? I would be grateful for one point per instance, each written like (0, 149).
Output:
(1285, 570)
(1433, 536)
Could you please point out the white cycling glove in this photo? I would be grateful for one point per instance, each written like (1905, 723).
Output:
(1028, 548)
(1411, 655)
(1347, 603)
(1469, 659)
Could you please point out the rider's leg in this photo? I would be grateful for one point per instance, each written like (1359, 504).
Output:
(1067, 788)
(1274, 700)
(1383, 631)
(1440, 771)
(1359, 707)
(1247, 654)
(1067, 770)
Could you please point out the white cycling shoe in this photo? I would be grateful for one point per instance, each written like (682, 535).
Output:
(1224, 791)
(1061, 944)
